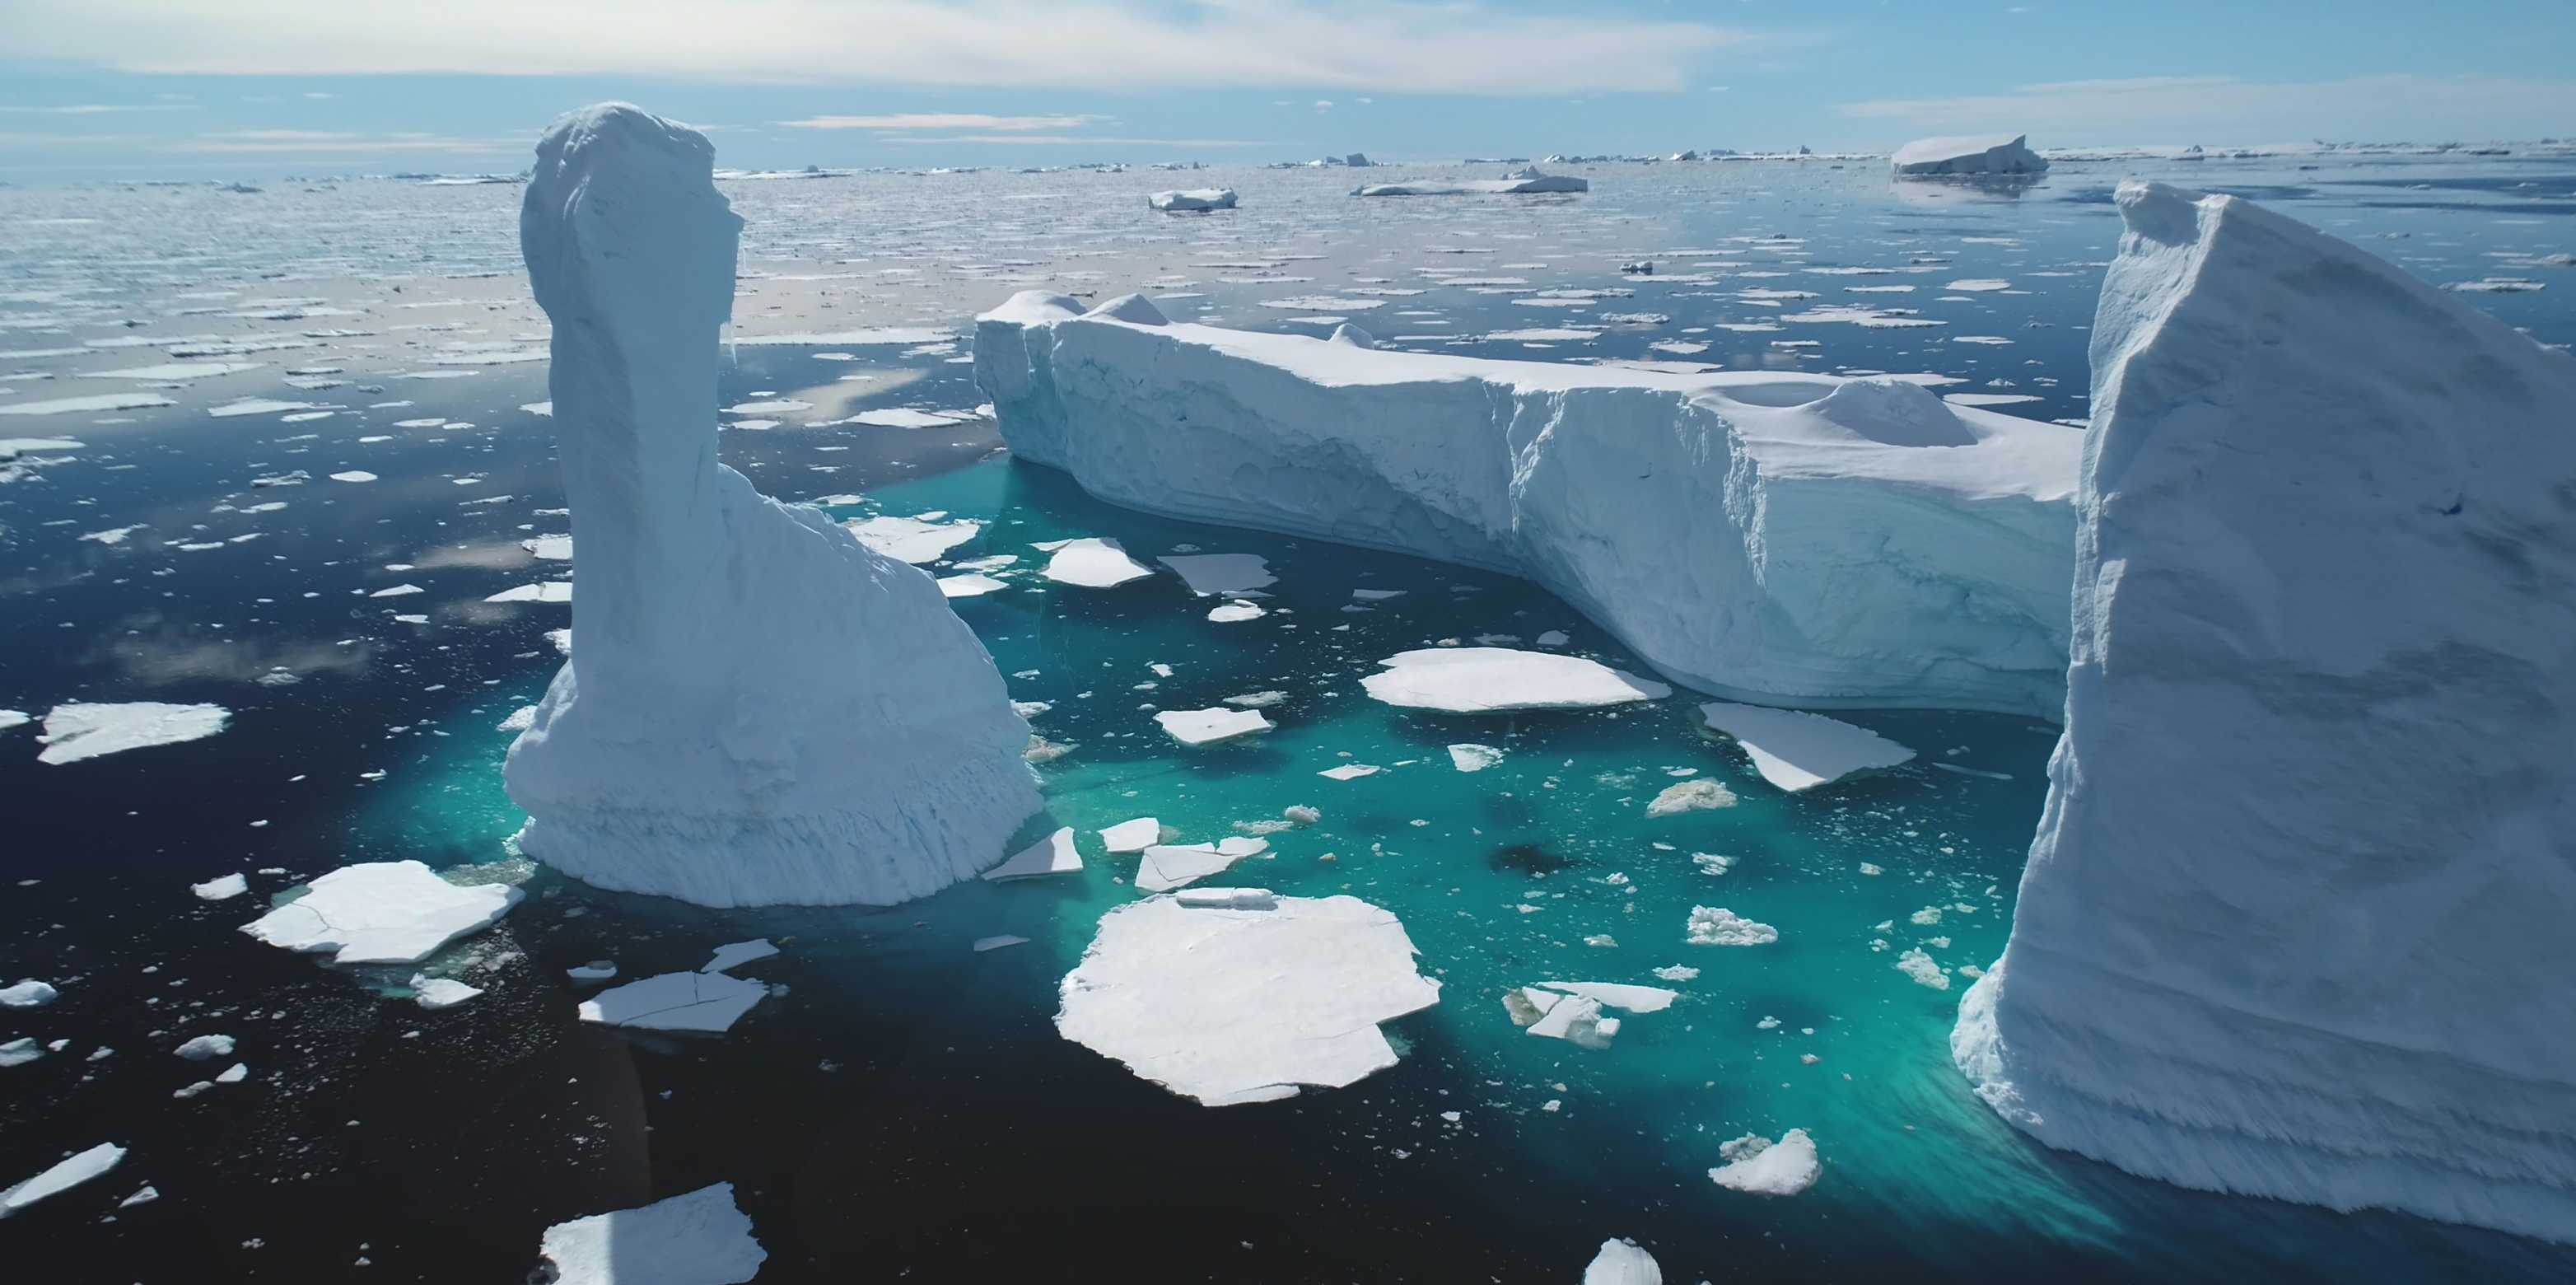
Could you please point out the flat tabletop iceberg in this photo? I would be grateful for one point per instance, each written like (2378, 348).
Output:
(1968, 155)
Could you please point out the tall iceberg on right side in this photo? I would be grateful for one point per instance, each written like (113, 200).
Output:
(2295, 922)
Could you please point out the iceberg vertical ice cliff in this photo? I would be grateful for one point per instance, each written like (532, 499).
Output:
(2295, 921)
(1785, 537)
(762, 710)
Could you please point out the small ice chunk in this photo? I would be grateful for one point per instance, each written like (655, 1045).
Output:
(1694, 795)
(1765, 1168)
(702, 1238)
(62, 1177)
(1622, 1262)
(911, 539)
(1350, 771)
(1211, 575)
(1718, 926)
(1677, 972)
(79, 730)
(440, 992)
(983, 944)
(1467, 756)
(973, 584)
(229, 886)
(1577, 1021)
(1093, 563)
(597, 970)
(1210, 725)
(1799, 751)
(1167, 866)
(734, 954)
(1916, 964)
(20, 1051)
(710, 1002)
(1620, 995)
(1486, 680)
(1052, 855)
(1192, 200)
(206, 1047)
(28, 993)
(1133, 836)
(1235, 612)
(382, 912)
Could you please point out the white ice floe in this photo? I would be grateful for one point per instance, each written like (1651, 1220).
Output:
(1193, 200)
(80, 730)
(973, 584)
(1221, 574)
(1093, 563)
(2294, 922)
(1164, 867)
(1971, 154)
(1132, 836)
(1233, 613)
(1518, 181)
(1052, 855)
(542, 591)
(440, 992)
(1757, 535)
(597, 970)
(1915, 963)
(61, 1177)
(763, 709)
(734, 954)
(96, 403)
(1467, 756)
(206, 1047)
(913, 540)
(221, 889)
(702, 1001)
(1210, 725)
(1762, 1167)
(1487, 680)
(1697, 795)
(1350, 771)
(1718, 926)
(20, 1051)
(1622, 1262)
(382, 912)
(1244, 1003)
(28, 993)
(702, 1238)
(1800, 751)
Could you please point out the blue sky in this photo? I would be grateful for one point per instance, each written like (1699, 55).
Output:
(252, 88)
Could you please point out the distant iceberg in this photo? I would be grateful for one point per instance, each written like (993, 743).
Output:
(1778, 537)
(2295, 921)
(763, 710)
(1523, 179)
(1193, 201)
(1973, 154)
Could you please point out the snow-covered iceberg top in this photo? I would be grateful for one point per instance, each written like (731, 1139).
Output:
(1778, 537)
(1969, 154)
(1244, 997)
(1193, 200)
(2294, 923)
(1516, 181)
(763, 710)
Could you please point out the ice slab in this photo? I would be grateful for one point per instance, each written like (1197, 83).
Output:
(1213, 574)
(79, 730)
(1467, 756)
(1193, 200)
(1968, 154)
(706, 1002)
(1052, 855)
(1210, 725)
(1768, 536)
(1762, 1167)
(223, 888)
(1622, 1262)
(735, 954)
(702, 1238)
(382, 912)
(61, 1177)
(1164, 867)
(1228, 1005)
(28, 993)
(1698, 795)
(1718, 926)
(1523, 180)
(1133, 836)
(1093, 563)
(911, 539)
(205, 1047)
(1489, 680)
(763, 709)
(1799, 751)
(440, 992)
(2293, 924)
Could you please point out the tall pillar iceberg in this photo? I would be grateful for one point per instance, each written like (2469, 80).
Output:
(2296, 920)
(760, 710)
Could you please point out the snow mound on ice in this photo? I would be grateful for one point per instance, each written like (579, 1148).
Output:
(1244, 1002)
(763, 710)
(1759, 536)
(2329, 512)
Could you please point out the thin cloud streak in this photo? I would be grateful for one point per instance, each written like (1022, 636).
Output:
(940, 120)
(2396, 106)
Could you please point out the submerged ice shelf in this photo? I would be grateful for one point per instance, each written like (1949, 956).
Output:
(1785, 537)
(764, 709)
(2294, 922)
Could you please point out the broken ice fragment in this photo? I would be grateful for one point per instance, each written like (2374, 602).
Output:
(1718, 926)
(229, 886)
(1133, 836)
(1690, 796)
(1052, 855)
(78, 730)
(1168, 866)
(702, 1238)
(710, 1002)
(205, 1047)
(1765, 1168)
(440, 992)
(1484, 680)
(1093, 563)
(62, 1177)
(382, 912)
(1799, 751)
(1210, 725)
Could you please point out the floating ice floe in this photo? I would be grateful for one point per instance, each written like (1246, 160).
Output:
(1517, 181)
(1221, 574)
(1132, 836)
(99, 402)
(2320, 957)
(20, 1051)
(1052, 855)
(382, 912)
(1718, 926)
(28, 993)
(1849, 516)
(1467, 756)
(764, 710)
(542, 591)
(435, 993)
(733, 954)
(899, 417)
(1232, 613)
(1697, 795)
(973, 584)
(1970, 154)
(1622, 1262)
(1800, 751)
(1245, 1001)
(62, 1177)
(1211, 725)
(80, 730)
(998, 941)
(1093, 563)
(221, 889)
(1350, 771)
(1193, 200)
(702, 1238)
(701, 1001)
(205, 1048)
(911, 539)
(1164, 867)
(1762, 1167)
(1488, 680)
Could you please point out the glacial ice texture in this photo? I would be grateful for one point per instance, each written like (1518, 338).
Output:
(763, 710)
(2294, 921)
(1778, 537)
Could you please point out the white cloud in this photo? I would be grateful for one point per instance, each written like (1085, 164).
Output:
(940, 120)
(323, 142)
(1448, 46)
(2177, 108)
